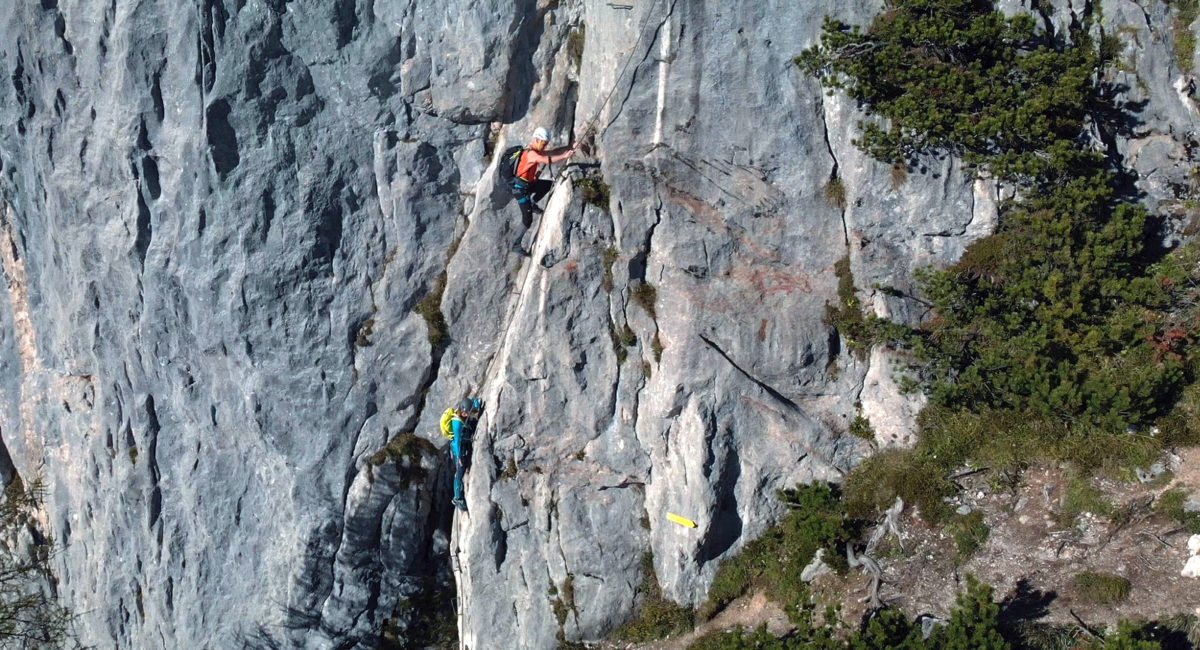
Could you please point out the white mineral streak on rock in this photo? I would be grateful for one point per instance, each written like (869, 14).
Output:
(31, 363)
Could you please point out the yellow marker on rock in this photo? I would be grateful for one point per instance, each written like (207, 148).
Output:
(682, 521)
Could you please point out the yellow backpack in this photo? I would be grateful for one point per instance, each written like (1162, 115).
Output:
(447, 426)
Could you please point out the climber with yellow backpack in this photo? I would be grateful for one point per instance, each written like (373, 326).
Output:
(458, 424)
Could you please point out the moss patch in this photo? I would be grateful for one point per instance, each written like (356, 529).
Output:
(969, 533)
(1171, 505)
(406, 449)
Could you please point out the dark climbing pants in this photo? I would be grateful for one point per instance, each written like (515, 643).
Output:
(527, 194)
(460, 470)
(460, 448)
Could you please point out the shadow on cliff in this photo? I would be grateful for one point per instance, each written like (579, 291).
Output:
(726, 523)
(522, 73)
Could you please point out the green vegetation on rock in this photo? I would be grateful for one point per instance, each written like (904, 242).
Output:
(30, 616)
(658, 616)
(815, 520)
(430, 308)
(1063, 318)
(1066, 336)
(407, 449)
(973, 625)
(1172, 505)
(646, 295)
(1185, 13)
(594, 192)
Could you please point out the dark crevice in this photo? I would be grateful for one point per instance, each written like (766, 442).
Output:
(212, 27)
(522, 72)
(222, 139)
(770, 391)
(833, 173)
(156, 96)
(144, 230)
(150, 176)
(726, 525)
(152, 430)
(345, 18)
(60, 30)
(331, 221)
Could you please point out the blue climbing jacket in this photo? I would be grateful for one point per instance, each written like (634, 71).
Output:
(462, 436)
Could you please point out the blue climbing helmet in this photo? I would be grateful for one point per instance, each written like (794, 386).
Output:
(470, 404)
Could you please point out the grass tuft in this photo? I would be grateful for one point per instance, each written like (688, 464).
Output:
(430, 308)
(970, 533)
(835, 193)
(658, 617)
(1101, 588)
(645, 294)
(874, 485)
(610, 257)
(618, 348)
(1080, 497)
(1172, 504)
(847, 315)
(575, 43)
(594, 192)
(626, 336)
(861, 428)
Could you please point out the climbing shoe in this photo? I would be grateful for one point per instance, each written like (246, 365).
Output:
(460, 504)
(535, 209)
(519, 250)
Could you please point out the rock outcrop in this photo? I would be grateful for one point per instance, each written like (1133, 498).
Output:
(225, 230)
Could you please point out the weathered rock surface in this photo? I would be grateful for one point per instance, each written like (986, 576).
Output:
(219, 217)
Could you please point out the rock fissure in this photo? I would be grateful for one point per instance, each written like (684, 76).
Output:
(833, 173)
(780, 397)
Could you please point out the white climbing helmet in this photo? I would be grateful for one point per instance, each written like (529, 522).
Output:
(541, 134)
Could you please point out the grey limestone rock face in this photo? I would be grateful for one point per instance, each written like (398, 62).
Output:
(220, 217)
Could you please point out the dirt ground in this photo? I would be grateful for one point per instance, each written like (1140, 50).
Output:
(1032, 555)
(748, 611)
(1031, 558)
